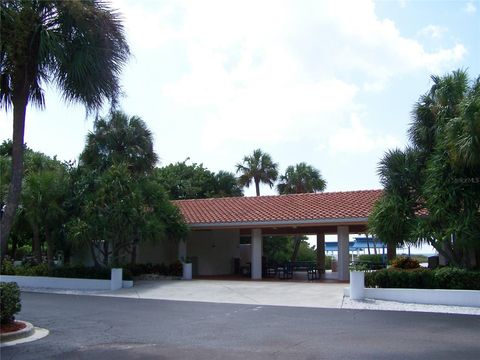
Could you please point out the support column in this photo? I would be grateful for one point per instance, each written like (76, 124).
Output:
(343, 251)
(321, 253)
(256, 258)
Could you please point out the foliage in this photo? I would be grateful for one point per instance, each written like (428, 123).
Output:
(301, 178)
(182, 181)
(259, 168)
(279, 249)
(77, 272)
(9, 301)
(421, 278)
(438, 175)
(79, 46)
(119, 211)
(119, 139)
(368, 262)
(403, 262)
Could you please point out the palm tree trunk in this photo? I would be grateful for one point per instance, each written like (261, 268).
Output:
(257, 187)
(49, 250)
(15, 188)
(391, 251)
(37, 249)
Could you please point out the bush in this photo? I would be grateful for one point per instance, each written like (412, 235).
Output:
(372, 261)
(9, 301)
(403, 262)
(33, 270)
(455, 278)
(7, 268)
(22, 252)
(442, 278)
(80, 272)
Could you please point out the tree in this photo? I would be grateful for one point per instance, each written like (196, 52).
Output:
(120, 139)
(259, 168)
(42, 199)
(431, 189)
(301, 178)
(183, 181)
(226, 185)
(78, 45)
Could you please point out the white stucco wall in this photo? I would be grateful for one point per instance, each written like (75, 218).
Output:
(214, 250)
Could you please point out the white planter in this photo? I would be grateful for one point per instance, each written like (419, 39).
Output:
(116, 279)
(357, 285)
(187, 271)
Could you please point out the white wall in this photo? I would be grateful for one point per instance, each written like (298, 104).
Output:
(214, 250)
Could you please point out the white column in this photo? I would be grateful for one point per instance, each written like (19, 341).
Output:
(343, 250)
(256, 257)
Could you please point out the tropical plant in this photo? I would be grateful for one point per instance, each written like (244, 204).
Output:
(259, 168)
(431, 189)
(117, 139)
(194, 181)
(301, 178)
(78, 45)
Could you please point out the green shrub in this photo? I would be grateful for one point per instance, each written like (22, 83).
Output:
(80, 272)
(421, 278)
(9, 301)
(22, 252)
(403, 262)
(7, 268)
(33, 270)
(328, 263)
(455, 278)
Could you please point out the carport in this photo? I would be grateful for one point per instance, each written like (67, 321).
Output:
(339, 213)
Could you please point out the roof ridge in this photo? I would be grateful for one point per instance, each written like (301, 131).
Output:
(280, 195)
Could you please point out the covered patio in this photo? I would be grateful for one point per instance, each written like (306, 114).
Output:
(217, 225)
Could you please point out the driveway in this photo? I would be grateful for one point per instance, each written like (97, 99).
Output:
(93, 327)
(317, 295)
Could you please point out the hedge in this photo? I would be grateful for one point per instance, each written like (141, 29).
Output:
(421, 278)
(79, 272)
(9, 301)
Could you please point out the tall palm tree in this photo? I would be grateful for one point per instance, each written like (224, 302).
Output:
(301, 178)
(119, 139)
(259, 168)
(78, 45)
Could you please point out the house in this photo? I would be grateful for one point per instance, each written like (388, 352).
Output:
(217, 226)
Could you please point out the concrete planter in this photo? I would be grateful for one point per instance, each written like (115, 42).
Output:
(357, 285)
(423, 296)
(187, 271)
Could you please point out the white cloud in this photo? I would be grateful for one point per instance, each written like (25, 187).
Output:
(433, 31)
(357, 138)
(278, 67)
(470, 7)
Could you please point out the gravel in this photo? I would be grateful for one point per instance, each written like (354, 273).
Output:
(372, 304)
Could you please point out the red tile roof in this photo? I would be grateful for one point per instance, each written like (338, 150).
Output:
(295, 208)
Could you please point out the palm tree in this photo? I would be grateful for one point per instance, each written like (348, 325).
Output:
(258, 167)
(78, 45)
(301, 178)
(119, 139)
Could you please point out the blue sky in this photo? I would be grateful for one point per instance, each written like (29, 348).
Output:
(328, 83)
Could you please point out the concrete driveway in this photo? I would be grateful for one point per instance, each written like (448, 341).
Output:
(317, 295)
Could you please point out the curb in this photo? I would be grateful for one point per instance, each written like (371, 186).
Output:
(19, 334)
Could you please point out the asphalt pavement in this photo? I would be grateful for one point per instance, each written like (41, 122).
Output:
(92, 327)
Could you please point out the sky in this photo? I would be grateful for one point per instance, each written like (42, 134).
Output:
(329, 83)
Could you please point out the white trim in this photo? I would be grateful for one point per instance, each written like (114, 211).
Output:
(62, 283)
(306, 222)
